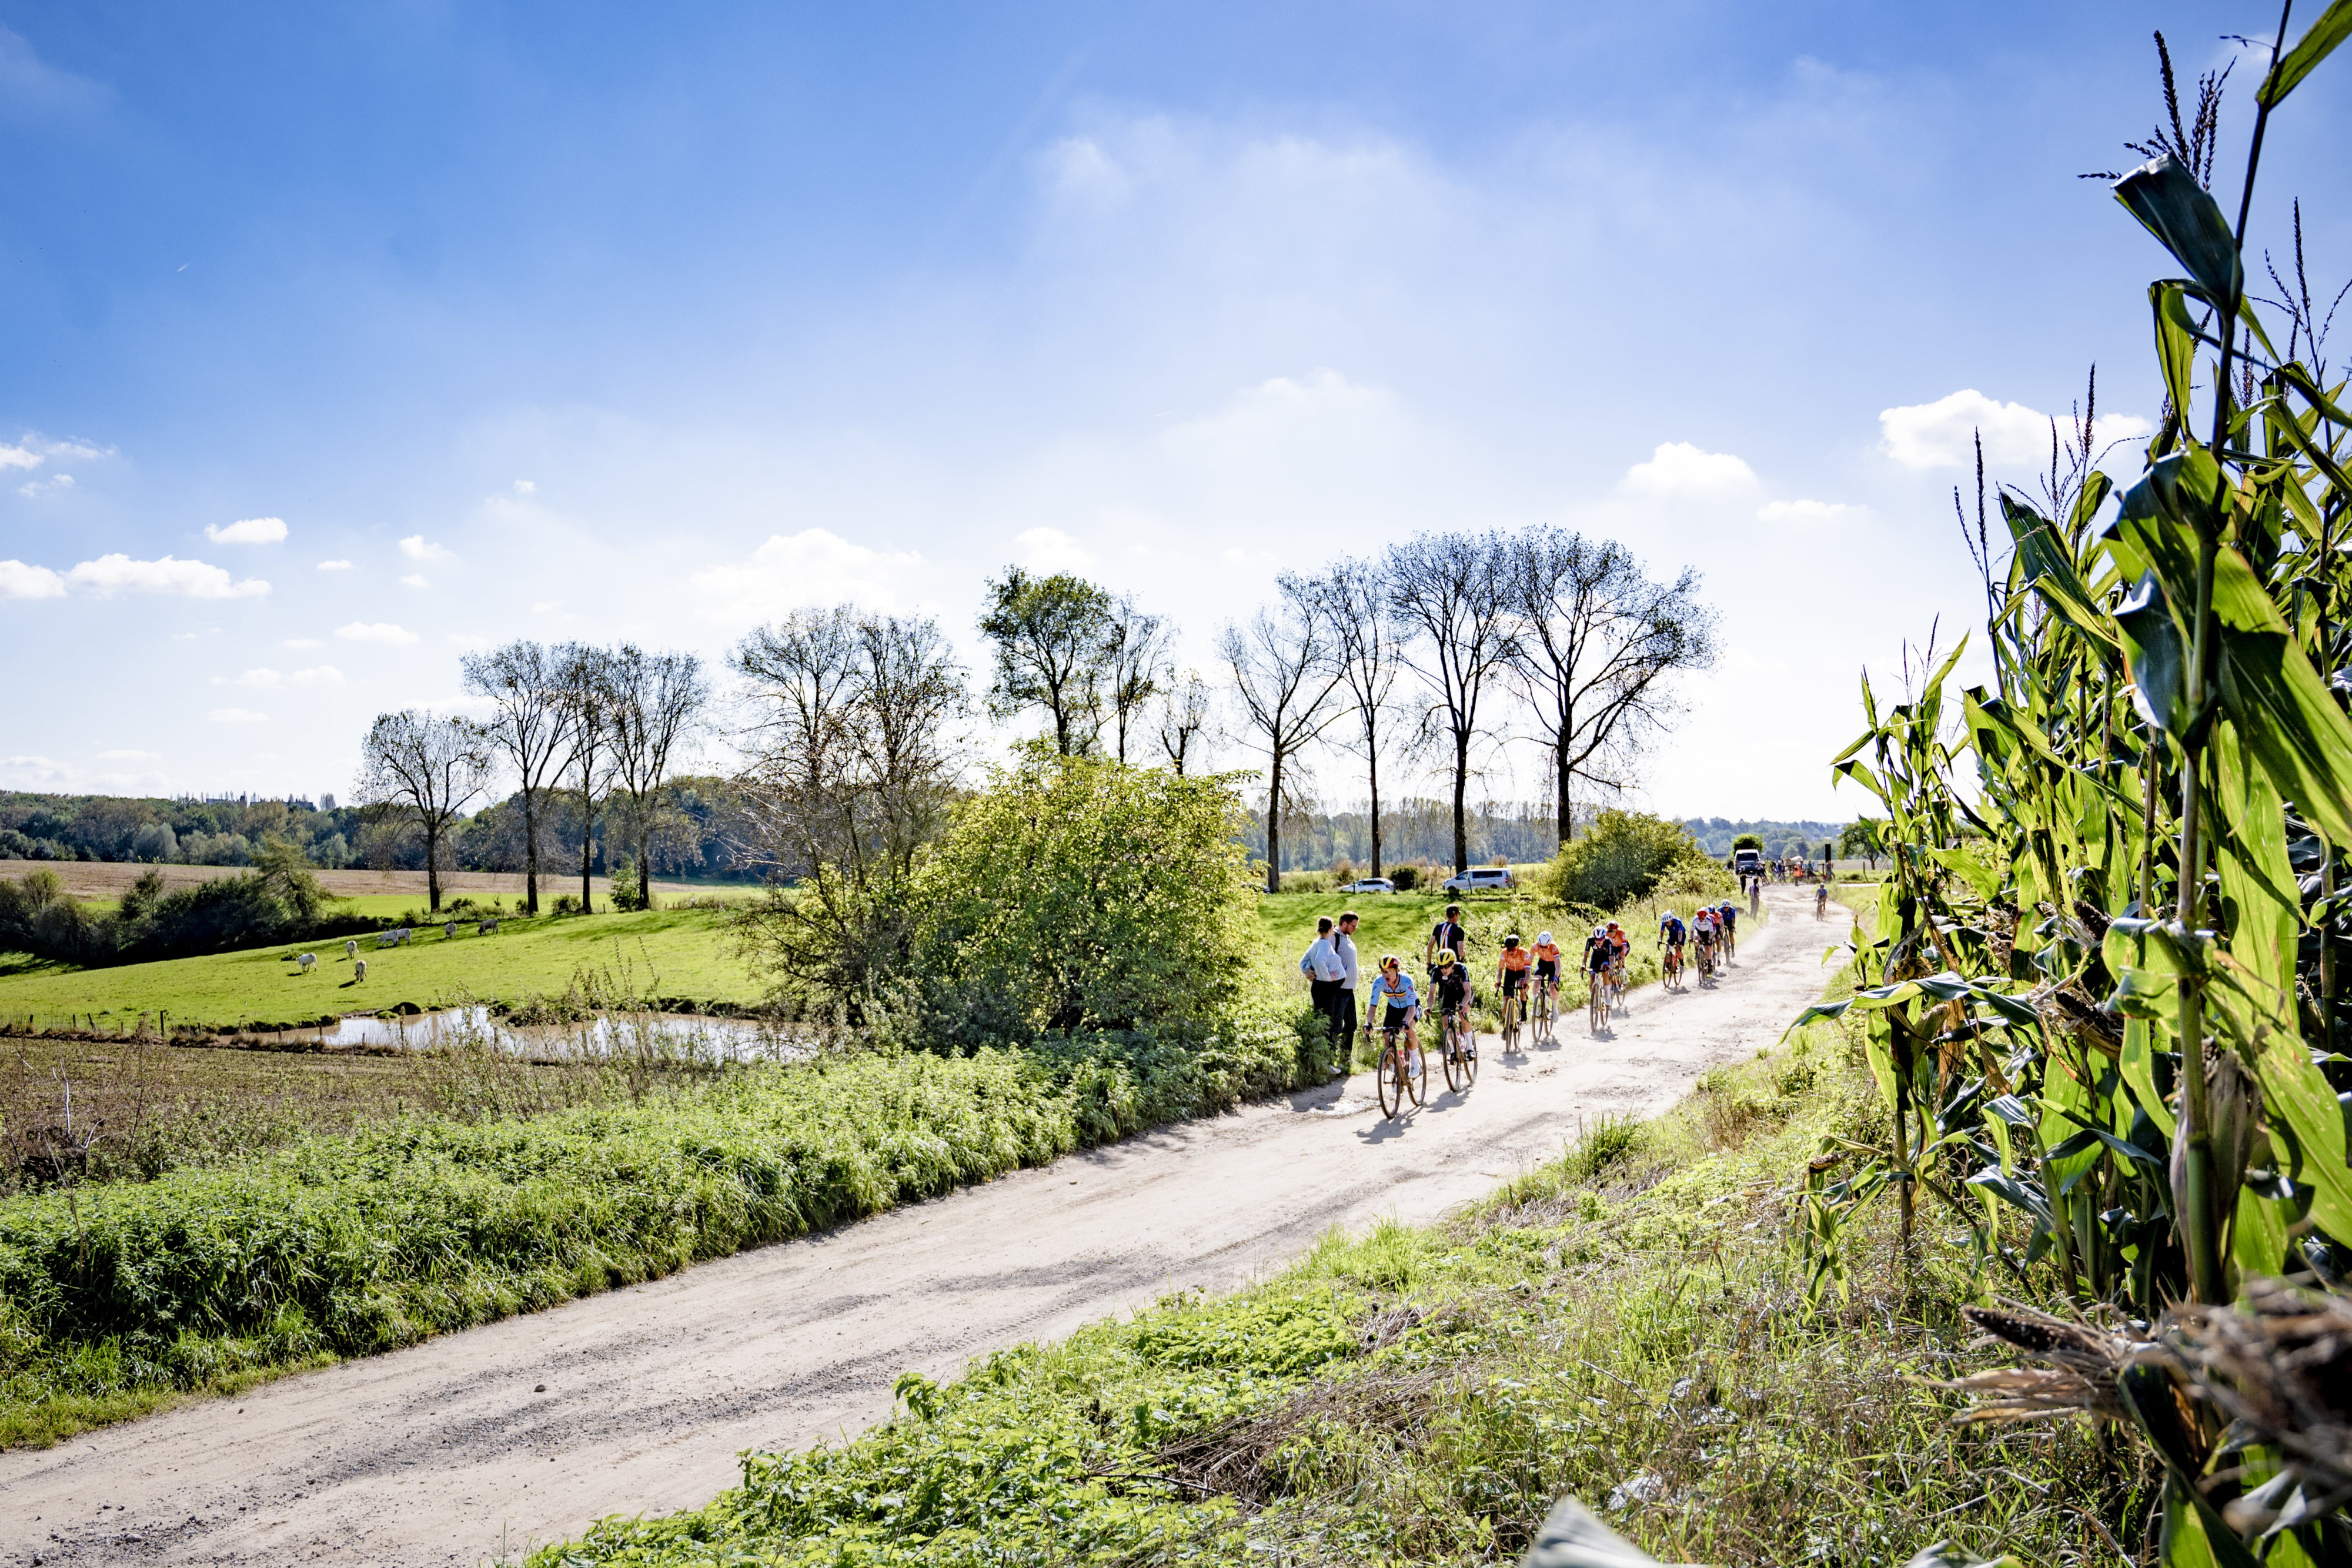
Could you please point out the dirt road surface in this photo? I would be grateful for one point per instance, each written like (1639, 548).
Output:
(472, 1447)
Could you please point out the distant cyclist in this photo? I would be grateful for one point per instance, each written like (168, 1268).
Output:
(1620, 944)
(1672, 932)
(1547, 967)
(1599, 954)
(1703, 932)
(1727, 915)
(1511, 969)
(1450, 993)
(1447, 937)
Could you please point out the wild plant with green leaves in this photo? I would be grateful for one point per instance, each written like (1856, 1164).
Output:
(2103, 993)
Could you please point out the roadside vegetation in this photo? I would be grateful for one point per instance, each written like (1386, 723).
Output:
(1625, 1324)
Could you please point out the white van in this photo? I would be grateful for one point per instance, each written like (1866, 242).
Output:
(1481, 879)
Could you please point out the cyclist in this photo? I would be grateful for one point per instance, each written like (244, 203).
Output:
(1703, 933)
(1621, 945)
(1511, 969)
(1450, 994)
(1821, 901)
(1599, 954)
(1447, 936)
(1726, 916)
(1672, 934)
(1394, 1004)
(1548, 968)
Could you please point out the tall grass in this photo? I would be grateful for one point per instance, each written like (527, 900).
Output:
(113, 1296)
(1626, 1324)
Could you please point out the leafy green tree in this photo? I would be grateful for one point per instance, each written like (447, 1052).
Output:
(1075, 894)
(1622, 856)
(1859, 839)
(1749, 841)
(1057, 643)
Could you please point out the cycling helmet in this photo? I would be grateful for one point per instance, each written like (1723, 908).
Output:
(1669, 915)
(1601, 931)
(1543, 939)
(1444, 957)
(1510, 940)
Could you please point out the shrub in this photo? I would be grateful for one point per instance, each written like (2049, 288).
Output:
(1406, 877)
(566, 903)
(1076, 894)
(1343, 870)
(1308, 882)
(1621, 857)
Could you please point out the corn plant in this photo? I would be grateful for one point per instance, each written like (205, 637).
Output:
(2103, 993)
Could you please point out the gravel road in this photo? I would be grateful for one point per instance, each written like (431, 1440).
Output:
(474, 1446)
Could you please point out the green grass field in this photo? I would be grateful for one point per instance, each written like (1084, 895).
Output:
(675, 953)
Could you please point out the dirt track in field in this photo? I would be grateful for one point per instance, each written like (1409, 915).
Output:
(449, 1453)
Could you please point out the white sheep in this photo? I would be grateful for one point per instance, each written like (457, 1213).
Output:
(488, 928)
(359, 970)
(450, 929)
(352, 948)
(306, 961)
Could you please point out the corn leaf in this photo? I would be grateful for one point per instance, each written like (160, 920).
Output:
(2333, 25)
(2169, 202)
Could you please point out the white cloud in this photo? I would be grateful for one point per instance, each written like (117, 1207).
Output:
(236, 715)
(415, 548)
(1679, 468)
(19, 456)
(49, 486)
(35, 772)
(112, 574)
(524, 487)
(320, 675)
(334, 566)
(1940, 434)
(248, 531)
(812, 567)
(415, 579)
(18, 580)
(1051, 549)
(1806, 511)
(375, 632)
(79, 451)
(30, 88)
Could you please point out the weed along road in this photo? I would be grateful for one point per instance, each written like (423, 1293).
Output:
(474, 1446)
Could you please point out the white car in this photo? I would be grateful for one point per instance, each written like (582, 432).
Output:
(1370, 884)
(1480, 879)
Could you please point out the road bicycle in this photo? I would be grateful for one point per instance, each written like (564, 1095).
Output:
(1730, 940)
(1401, 1069)
(1617, 987)
(1596, 1005)
(1511, 1009)
(1821, 902)
(1673, 965)
(1706, 957)
(1459, 1043)
(1546, 1009)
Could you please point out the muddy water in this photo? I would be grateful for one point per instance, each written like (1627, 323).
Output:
(688, 1035)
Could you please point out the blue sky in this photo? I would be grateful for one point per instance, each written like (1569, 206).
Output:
(596, 322)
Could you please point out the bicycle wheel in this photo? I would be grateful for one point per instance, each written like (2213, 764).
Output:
(1416, 1070)
(1456, 1060)
(1466, 1043)
(1547, 1007)
(1392, 1080)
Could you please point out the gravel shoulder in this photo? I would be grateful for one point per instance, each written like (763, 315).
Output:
(474, 1446)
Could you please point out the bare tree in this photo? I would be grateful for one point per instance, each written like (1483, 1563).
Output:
(1052, 637)
(1445, 592)
(657, 704)
(859, 747)
(1281, 668)
(1595, 644)
(1186, 718)
(1352, 597)
(585, 672)
(1136, 664)
(426, 769)
(531, 722)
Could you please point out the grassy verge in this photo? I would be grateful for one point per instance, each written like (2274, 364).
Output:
(115, 1298)
(1627, 1324)
(680, 953)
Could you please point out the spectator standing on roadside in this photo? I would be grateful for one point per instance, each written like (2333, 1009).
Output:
(1448, 936)
(1343, 942)
(1324, 973)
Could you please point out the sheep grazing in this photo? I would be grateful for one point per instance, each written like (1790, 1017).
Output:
(394, 938)
(352, 948)
(450, 929)
(488, 928)
(305, 962)
(359, 970)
